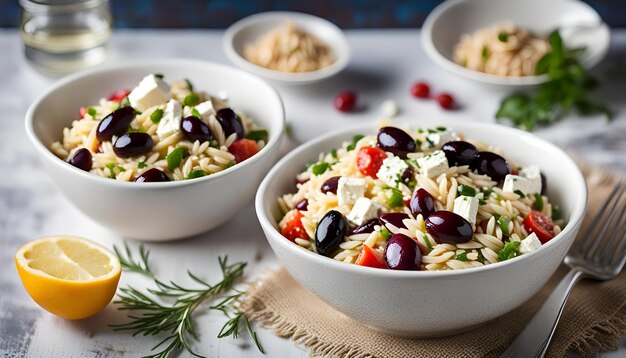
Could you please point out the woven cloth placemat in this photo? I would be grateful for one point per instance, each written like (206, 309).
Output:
(594, 318)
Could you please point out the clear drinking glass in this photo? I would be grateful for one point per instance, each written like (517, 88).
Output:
(63, 36)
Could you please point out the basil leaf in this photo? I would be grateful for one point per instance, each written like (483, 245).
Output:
(504, 225)
(196, 174)
(503, 37)
(141, 165)
(462, 256)
(509, 251)
(355, 140)
(258, 134)
(195, 113)
(320, 168)
(466, 190)
(176, 157)
(538, 204)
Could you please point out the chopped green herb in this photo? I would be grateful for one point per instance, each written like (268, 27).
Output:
(481, 257)
(418, 143)
(519, 192)
(189, 85)
(395, 199)
(487, 193)
(462, 256)
(191, 99)
(258, 134)
(385, 233)
(156, 116)
(195, 113)
(196, 174)
(556, 212)
(538, 204)
(333, 153)
(320, 168)
(158, 75)
(509, 251)
(429, 246)
(141, 165)
(466, 190)
(430, 142)
(503, 222)
(431, 131)
(92, 112)
(441, 128)
(411, 184)
(503, 37)
(176, 157)
(136, 130)
(355, 140)
(420, 130)
(481, 202)
(485, 54)
(124, 103)
(230, 164)
(111, 167)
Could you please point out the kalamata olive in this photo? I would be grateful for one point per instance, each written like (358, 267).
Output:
(394, 219)
(230, 122)
(330, 185)
(459, 152)
(152, 175)
(132, 144)
(407, 175)
(302, 205)
(402, 253)
(116, 123)
(194, 129)
(365, 228)
(447, 227)
(396, 141)
(491, 164)
(544, 184)
(422, 203)
(330, 232)
(81, 159)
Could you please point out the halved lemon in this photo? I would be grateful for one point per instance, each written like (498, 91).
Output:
(70, 277)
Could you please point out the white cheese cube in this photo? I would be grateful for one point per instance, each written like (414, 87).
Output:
(529, 244)
(391, 171)
(513, 183)
(389, 109)
(205, 110)
(363, 210)
(434, 164)
(442, 137)
(151, 91)
(170, 122)
(467, 207)
(533, 174)
(349, 190)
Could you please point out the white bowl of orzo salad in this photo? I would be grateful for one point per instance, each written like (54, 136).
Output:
(158, 151)
(423, 230)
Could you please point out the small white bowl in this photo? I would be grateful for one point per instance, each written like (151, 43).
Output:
(251, 28)
(444, 26)
(429, 303)
(157, 211)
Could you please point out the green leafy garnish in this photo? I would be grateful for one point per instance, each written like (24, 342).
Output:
(196, 174)
(111, 167)
(189, 85)
(503, 222)
(485, 54)
(191, 99)
(195, 113)
(333, 153)
(503, 37)
(320, 168)
(141, 165)
(258, 134)
(129, 263)
(158, 75)
(520, 193)
(176, 157)
(385, 233)
(156, 116)
(466, 190)
(92, 112)
(462, 256)
(538, 204)
(569, 88)
(509, 251)
(429, 246)
(556, 212)
(355, 140)
(395, 199)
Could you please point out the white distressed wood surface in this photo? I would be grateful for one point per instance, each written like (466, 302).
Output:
(385, 64)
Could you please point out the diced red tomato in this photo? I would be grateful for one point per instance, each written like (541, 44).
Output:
(369, 160)
(119, 95)
(293, 229)
(540, 224)
(82, 112)
(243, 149)
(369, 257)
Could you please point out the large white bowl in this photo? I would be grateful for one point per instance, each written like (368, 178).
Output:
(429, 303)
(157, 211)
(249, 29)
(444, 26)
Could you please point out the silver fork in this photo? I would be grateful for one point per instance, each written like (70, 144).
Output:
(600, 254)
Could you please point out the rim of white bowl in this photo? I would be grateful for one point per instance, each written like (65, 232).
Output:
(294, 78)
(575, 218)
(275, 138)
(453, 67)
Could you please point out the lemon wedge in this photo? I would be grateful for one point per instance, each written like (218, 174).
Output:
(70, 277)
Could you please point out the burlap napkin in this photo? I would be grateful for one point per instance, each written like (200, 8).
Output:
(594, 318)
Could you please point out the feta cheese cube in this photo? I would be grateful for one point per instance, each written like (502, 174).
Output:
(442, 137)
(170, 122)
(513, 183)
(389, 109)
(467, 207)
(533, 174)
(151, 91)
(363, 210)
(349, 190)
(529, 244)
(391, 171)
(433, 164)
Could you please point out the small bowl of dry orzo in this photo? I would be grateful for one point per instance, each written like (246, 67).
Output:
(287, 47)
(159, 151)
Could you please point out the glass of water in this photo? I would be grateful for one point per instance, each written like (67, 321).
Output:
(63, 36)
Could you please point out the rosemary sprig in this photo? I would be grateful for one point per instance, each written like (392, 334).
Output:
(176, 319)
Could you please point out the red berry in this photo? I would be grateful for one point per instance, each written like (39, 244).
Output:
(345, 101)
(445, 101)
(420, 90)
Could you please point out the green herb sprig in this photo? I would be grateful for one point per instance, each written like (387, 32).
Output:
(175, 319)
(569, 88)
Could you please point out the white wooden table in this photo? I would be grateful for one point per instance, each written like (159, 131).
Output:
(385, 64)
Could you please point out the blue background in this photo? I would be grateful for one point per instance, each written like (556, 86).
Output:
(222, 13)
